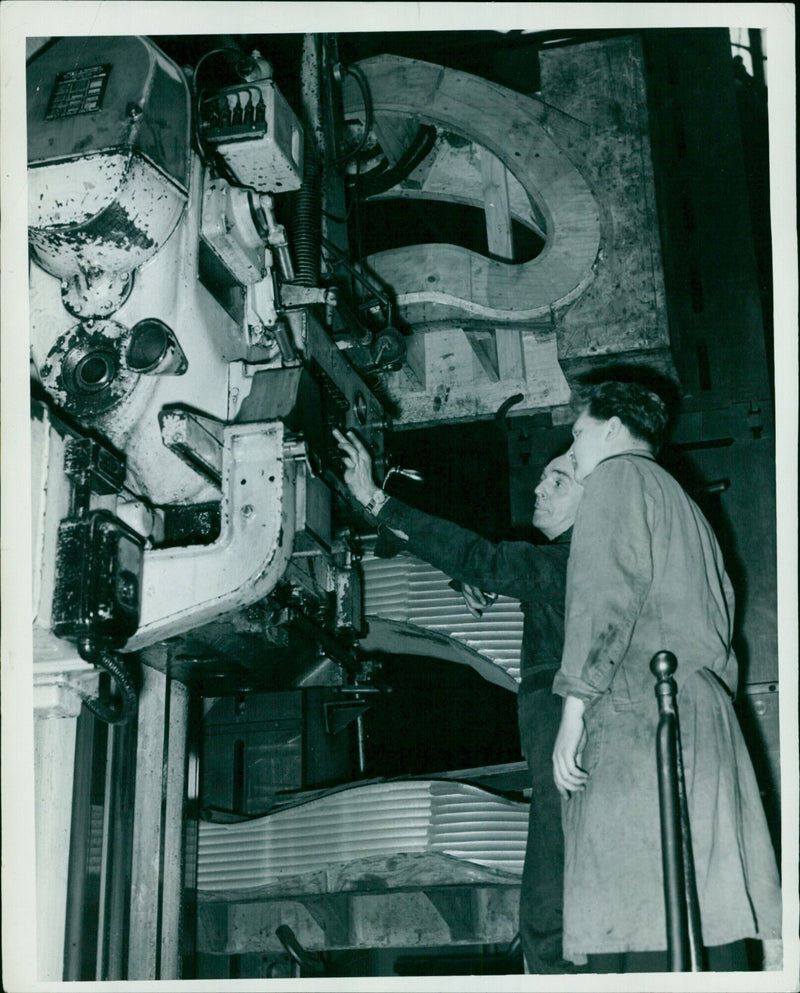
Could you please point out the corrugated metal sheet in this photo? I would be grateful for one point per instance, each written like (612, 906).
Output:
(374, 820)
(410, 591)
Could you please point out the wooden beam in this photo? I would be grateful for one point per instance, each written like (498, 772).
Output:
(510, 355)
(394, 133)
(415, 359)
(543, 385)
(484, 345)
(388, 919)
(212, 928)
(56, 685)
(499, 351)
(172, 839)
(156, 860)
(458, 908)
(496, 206)
(453, 174)
(332, 913)
(143, 946)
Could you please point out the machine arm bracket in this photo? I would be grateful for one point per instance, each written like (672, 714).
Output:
(188, 586)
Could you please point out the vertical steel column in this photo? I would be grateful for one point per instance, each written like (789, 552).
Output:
(154, 946)
(123, 765)
(79, 847)
(684, 940)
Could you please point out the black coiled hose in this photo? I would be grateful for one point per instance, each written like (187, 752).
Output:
(307, 218)
(107, 660)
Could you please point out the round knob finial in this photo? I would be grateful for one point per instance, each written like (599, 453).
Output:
(663, 664)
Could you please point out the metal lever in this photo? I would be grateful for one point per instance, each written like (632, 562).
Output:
(396, 470)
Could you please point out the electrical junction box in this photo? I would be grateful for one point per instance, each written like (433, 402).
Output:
(266, 155)
(98, 579)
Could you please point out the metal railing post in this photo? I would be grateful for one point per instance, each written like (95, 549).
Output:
(684, 941)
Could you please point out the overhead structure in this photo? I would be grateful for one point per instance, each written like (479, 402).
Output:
(570, 163)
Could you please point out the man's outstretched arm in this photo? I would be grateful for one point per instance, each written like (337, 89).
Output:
(517, 569)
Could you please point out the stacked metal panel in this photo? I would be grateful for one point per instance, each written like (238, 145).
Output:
(370, 821)
(406, 590)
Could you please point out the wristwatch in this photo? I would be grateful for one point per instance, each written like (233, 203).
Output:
(378, 499)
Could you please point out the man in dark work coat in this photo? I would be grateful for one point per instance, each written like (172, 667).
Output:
(536, 576)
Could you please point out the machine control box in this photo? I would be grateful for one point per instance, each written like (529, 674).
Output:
(98, 579)
(258, 134)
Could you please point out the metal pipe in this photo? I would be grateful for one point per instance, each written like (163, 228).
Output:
(106, 858)
(123, 759)
(361, 745)
(78, 849)
(680, 895)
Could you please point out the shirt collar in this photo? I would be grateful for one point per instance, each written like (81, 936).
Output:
(638, 452)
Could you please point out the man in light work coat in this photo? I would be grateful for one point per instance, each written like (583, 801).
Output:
(535, 575)
(646, 574)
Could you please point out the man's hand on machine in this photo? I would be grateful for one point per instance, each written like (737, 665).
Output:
(357, 467)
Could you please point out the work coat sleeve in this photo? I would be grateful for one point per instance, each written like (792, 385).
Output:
(516, 569)
(609, 575)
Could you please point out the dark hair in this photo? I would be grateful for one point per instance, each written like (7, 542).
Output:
(642, 411)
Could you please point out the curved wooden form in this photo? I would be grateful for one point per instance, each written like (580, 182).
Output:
(428, 277)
